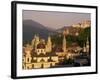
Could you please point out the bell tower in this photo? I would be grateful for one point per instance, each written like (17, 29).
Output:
(87, 45)
(64, 44)
(49, 45)
(37, 41)
(84, 48)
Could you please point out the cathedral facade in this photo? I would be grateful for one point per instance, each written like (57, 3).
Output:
(39, 54)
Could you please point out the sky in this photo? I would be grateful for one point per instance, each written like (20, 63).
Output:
(55, 20)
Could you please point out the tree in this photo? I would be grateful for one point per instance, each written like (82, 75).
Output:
(57, 40)
(80, 39)
(71, 39)
(84, 34)
(67, 61)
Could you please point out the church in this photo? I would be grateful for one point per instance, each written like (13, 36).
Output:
(40, 54)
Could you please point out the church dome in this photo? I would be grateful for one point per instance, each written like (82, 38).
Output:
(40, 46)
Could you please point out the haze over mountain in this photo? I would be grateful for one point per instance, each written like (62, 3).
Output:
(30, 28)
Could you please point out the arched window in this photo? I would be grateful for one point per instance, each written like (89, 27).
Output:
(32, 65)
(23, 59)
(38, 50)
(42, 51)
(42, 66)
(27, 59)
(50, 64)
(28, 67)
(23, 67)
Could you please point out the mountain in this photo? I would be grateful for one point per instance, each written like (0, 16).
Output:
(30, 28)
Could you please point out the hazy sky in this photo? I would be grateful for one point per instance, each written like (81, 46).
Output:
(55, 19)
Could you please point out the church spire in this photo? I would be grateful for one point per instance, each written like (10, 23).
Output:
(87, 45)
(33, 41)
(84, 48)
(49, 45)
(37, 41)
(64, 44)
(87, 42)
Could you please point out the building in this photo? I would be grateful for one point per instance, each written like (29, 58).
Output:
(71, 31)
(86, 47)
(83, 24)
(39, 54)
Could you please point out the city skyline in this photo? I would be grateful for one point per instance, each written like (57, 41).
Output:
(50, 19)
(66, 47)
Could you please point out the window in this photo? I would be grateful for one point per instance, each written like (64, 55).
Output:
(41, 51)
(28, 67)
(23, 59)
(27, 59)
(38, 50)
(32, 65)
(23, 67)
